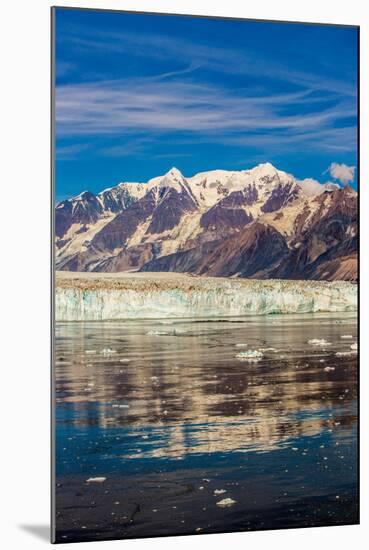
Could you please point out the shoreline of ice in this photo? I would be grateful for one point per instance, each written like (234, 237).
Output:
(81, 296)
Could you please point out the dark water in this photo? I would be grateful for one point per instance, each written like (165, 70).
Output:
(175, 423)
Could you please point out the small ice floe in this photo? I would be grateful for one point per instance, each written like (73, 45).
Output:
(95, 480)
(268, 349)
(226, 502)
(250, 355)
(156, 333)
(319, 342)
(241, 345)
(344, 353)
(124, 360)
(118, 406)
(108, 351)
(354, 346)
(219, 491)
(346, 336)
(90, 351)
(329, 369)
(198, 529)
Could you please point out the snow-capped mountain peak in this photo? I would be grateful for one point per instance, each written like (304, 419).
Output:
(179, 223)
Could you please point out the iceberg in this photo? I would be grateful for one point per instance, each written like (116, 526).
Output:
(105, 296)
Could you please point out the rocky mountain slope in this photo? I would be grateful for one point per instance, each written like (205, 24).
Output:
(258, 223)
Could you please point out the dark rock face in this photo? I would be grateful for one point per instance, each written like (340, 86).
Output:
(279, 197)
(330, 235)
(186, 261)
(88, 208)
(116, 233)
(219, 218)
(171, 207)
(255, 249)
(85, 209)
(129, 259)
(228, 215)
(116, 199)
(245, 197)
(248, 253)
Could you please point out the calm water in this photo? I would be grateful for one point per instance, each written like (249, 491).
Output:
(175, 423)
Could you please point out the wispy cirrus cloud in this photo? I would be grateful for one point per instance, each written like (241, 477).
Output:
(129, 106)
(70, 152)
(196, 55)
(143, 95)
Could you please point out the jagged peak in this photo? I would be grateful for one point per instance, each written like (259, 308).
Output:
(350, 190)
(174, 174)
(85, 195)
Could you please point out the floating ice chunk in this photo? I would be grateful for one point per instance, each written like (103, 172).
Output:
(241, 345)
(319, 342)
(268, 349)
(89, 351)
(156, 333)
(346, 336)
(354, 346)
(124, 360)
(95, 480)
(250, 355)
(329, 369)
(345, 353)
(226, 502)
(219, 491)
(108, 351)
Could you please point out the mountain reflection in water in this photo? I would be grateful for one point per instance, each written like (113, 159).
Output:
(162, 401)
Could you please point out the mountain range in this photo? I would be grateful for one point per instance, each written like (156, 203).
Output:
(260, 223)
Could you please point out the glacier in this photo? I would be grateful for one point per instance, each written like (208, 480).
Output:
(104, 296)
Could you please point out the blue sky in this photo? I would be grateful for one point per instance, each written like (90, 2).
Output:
(138, 94)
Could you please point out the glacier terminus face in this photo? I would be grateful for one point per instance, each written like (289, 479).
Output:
(91, 297)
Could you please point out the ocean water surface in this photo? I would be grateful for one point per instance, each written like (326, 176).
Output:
(162, 428)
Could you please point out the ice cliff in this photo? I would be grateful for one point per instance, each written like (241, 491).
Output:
(81, 296)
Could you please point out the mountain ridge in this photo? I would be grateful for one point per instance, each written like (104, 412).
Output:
(143, 226)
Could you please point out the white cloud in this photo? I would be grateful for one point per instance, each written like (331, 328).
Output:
(312, 187)
(341, 172)
(119, 106)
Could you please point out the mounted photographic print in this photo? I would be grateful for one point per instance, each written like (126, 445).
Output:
(205, 266)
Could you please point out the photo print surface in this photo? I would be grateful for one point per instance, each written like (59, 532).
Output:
(205, 229)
